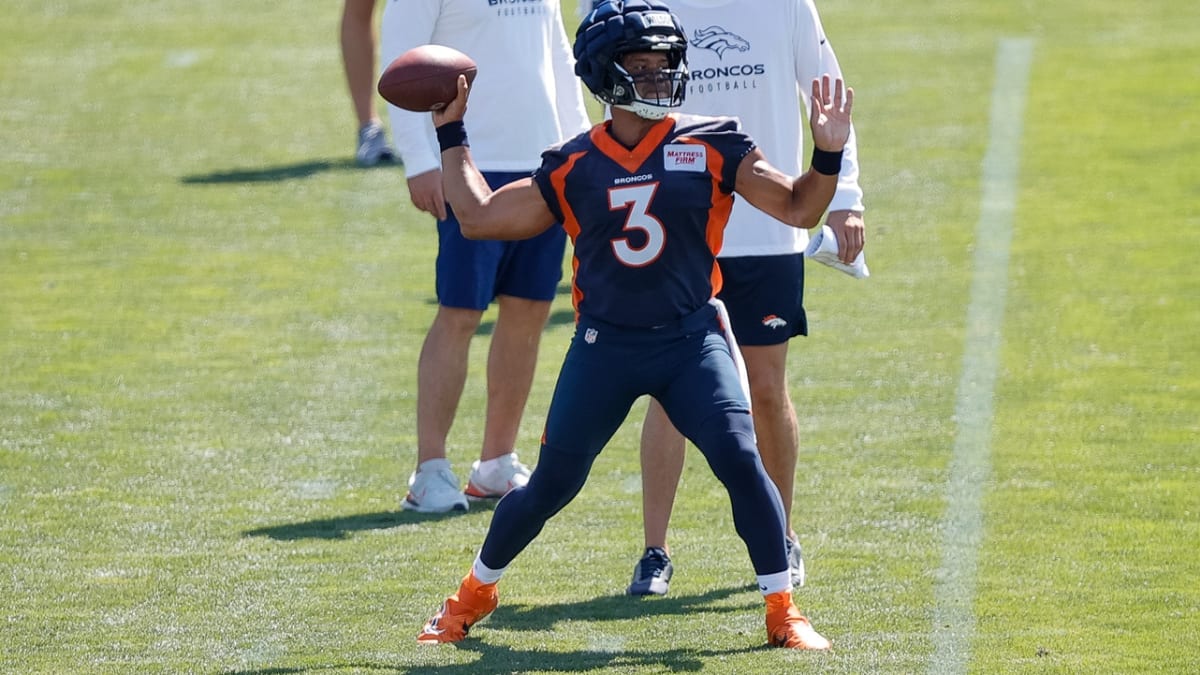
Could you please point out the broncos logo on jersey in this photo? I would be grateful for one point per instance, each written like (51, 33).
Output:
(772, 321)
(719, 40)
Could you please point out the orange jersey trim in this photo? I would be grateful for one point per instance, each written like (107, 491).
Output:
(558, 179)
(631, 160)
(718, 216)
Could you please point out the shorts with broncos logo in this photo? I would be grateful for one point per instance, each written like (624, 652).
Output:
(765, 297)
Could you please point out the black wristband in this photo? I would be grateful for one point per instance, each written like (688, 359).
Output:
(452, 135)
(825, 162)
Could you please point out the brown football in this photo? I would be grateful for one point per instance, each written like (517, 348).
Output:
(425, 78)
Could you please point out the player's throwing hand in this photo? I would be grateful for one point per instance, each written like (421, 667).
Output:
(456, 109)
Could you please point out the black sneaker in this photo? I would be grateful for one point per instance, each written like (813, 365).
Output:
(652, 574)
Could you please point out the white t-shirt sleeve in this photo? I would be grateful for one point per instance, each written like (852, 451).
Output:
(407, 25)
(572, 114)
(813, 63)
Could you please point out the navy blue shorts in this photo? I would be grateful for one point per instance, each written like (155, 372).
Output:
(765, 297)
(471, 273)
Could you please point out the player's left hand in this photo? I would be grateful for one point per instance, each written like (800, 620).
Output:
(851, 233)
(456, 109)
(829, 115)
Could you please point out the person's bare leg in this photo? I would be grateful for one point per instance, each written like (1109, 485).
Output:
(359, 46)
(441, 375)
(662, 455)
(774, 419)
(511, 363)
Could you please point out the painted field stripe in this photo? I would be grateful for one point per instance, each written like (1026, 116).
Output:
(970, 464)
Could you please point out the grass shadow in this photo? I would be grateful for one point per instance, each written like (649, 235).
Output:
(545, 617)
(284, 670)
(342, 526)
(505, 659)
(282, 172)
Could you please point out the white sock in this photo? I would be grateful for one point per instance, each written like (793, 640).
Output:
(773, 583)
(486, 574)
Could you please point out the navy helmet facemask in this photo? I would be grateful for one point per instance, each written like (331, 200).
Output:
(615, 28)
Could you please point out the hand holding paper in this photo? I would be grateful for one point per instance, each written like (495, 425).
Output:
(823, 247)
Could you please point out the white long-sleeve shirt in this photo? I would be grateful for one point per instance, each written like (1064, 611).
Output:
(756, 60)
(525, 97)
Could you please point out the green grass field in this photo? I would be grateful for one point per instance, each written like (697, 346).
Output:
(210, 320)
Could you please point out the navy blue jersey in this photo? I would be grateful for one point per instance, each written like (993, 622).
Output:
(646, 223)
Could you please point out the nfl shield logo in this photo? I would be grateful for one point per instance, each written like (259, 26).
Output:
(589, 336)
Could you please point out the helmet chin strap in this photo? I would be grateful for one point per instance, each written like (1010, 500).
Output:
(644, 110)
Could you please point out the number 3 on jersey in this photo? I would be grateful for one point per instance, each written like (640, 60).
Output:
(636, 201)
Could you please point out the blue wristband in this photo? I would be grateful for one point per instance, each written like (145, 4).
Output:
(825, 162)
(452, 135)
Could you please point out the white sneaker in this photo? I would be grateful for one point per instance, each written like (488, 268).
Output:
(434, 489)
(496, 478)
(795, 562)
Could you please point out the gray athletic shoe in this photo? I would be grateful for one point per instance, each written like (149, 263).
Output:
(373, 146)
(434, 490)
(507, 476)
(652, 574)
(795, 562)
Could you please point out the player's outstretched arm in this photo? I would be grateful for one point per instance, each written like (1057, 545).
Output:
(515, 211)
(800, 202)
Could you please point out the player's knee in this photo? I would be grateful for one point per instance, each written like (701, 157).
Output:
(727, 441)
(555, 481)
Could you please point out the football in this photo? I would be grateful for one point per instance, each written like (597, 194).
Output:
(425, 78)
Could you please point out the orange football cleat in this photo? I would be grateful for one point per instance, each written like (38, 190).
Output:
(473, 601)
(787, 627)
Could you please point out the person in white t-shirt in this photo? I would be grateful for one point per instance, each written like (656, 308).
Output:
(526, 76)
(754, 61)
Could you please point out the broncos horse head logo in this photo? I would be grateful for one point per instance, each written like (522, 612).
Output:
(719, 40)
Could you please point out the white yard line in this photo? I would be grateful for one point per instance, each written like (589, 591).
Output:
(954, 616)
